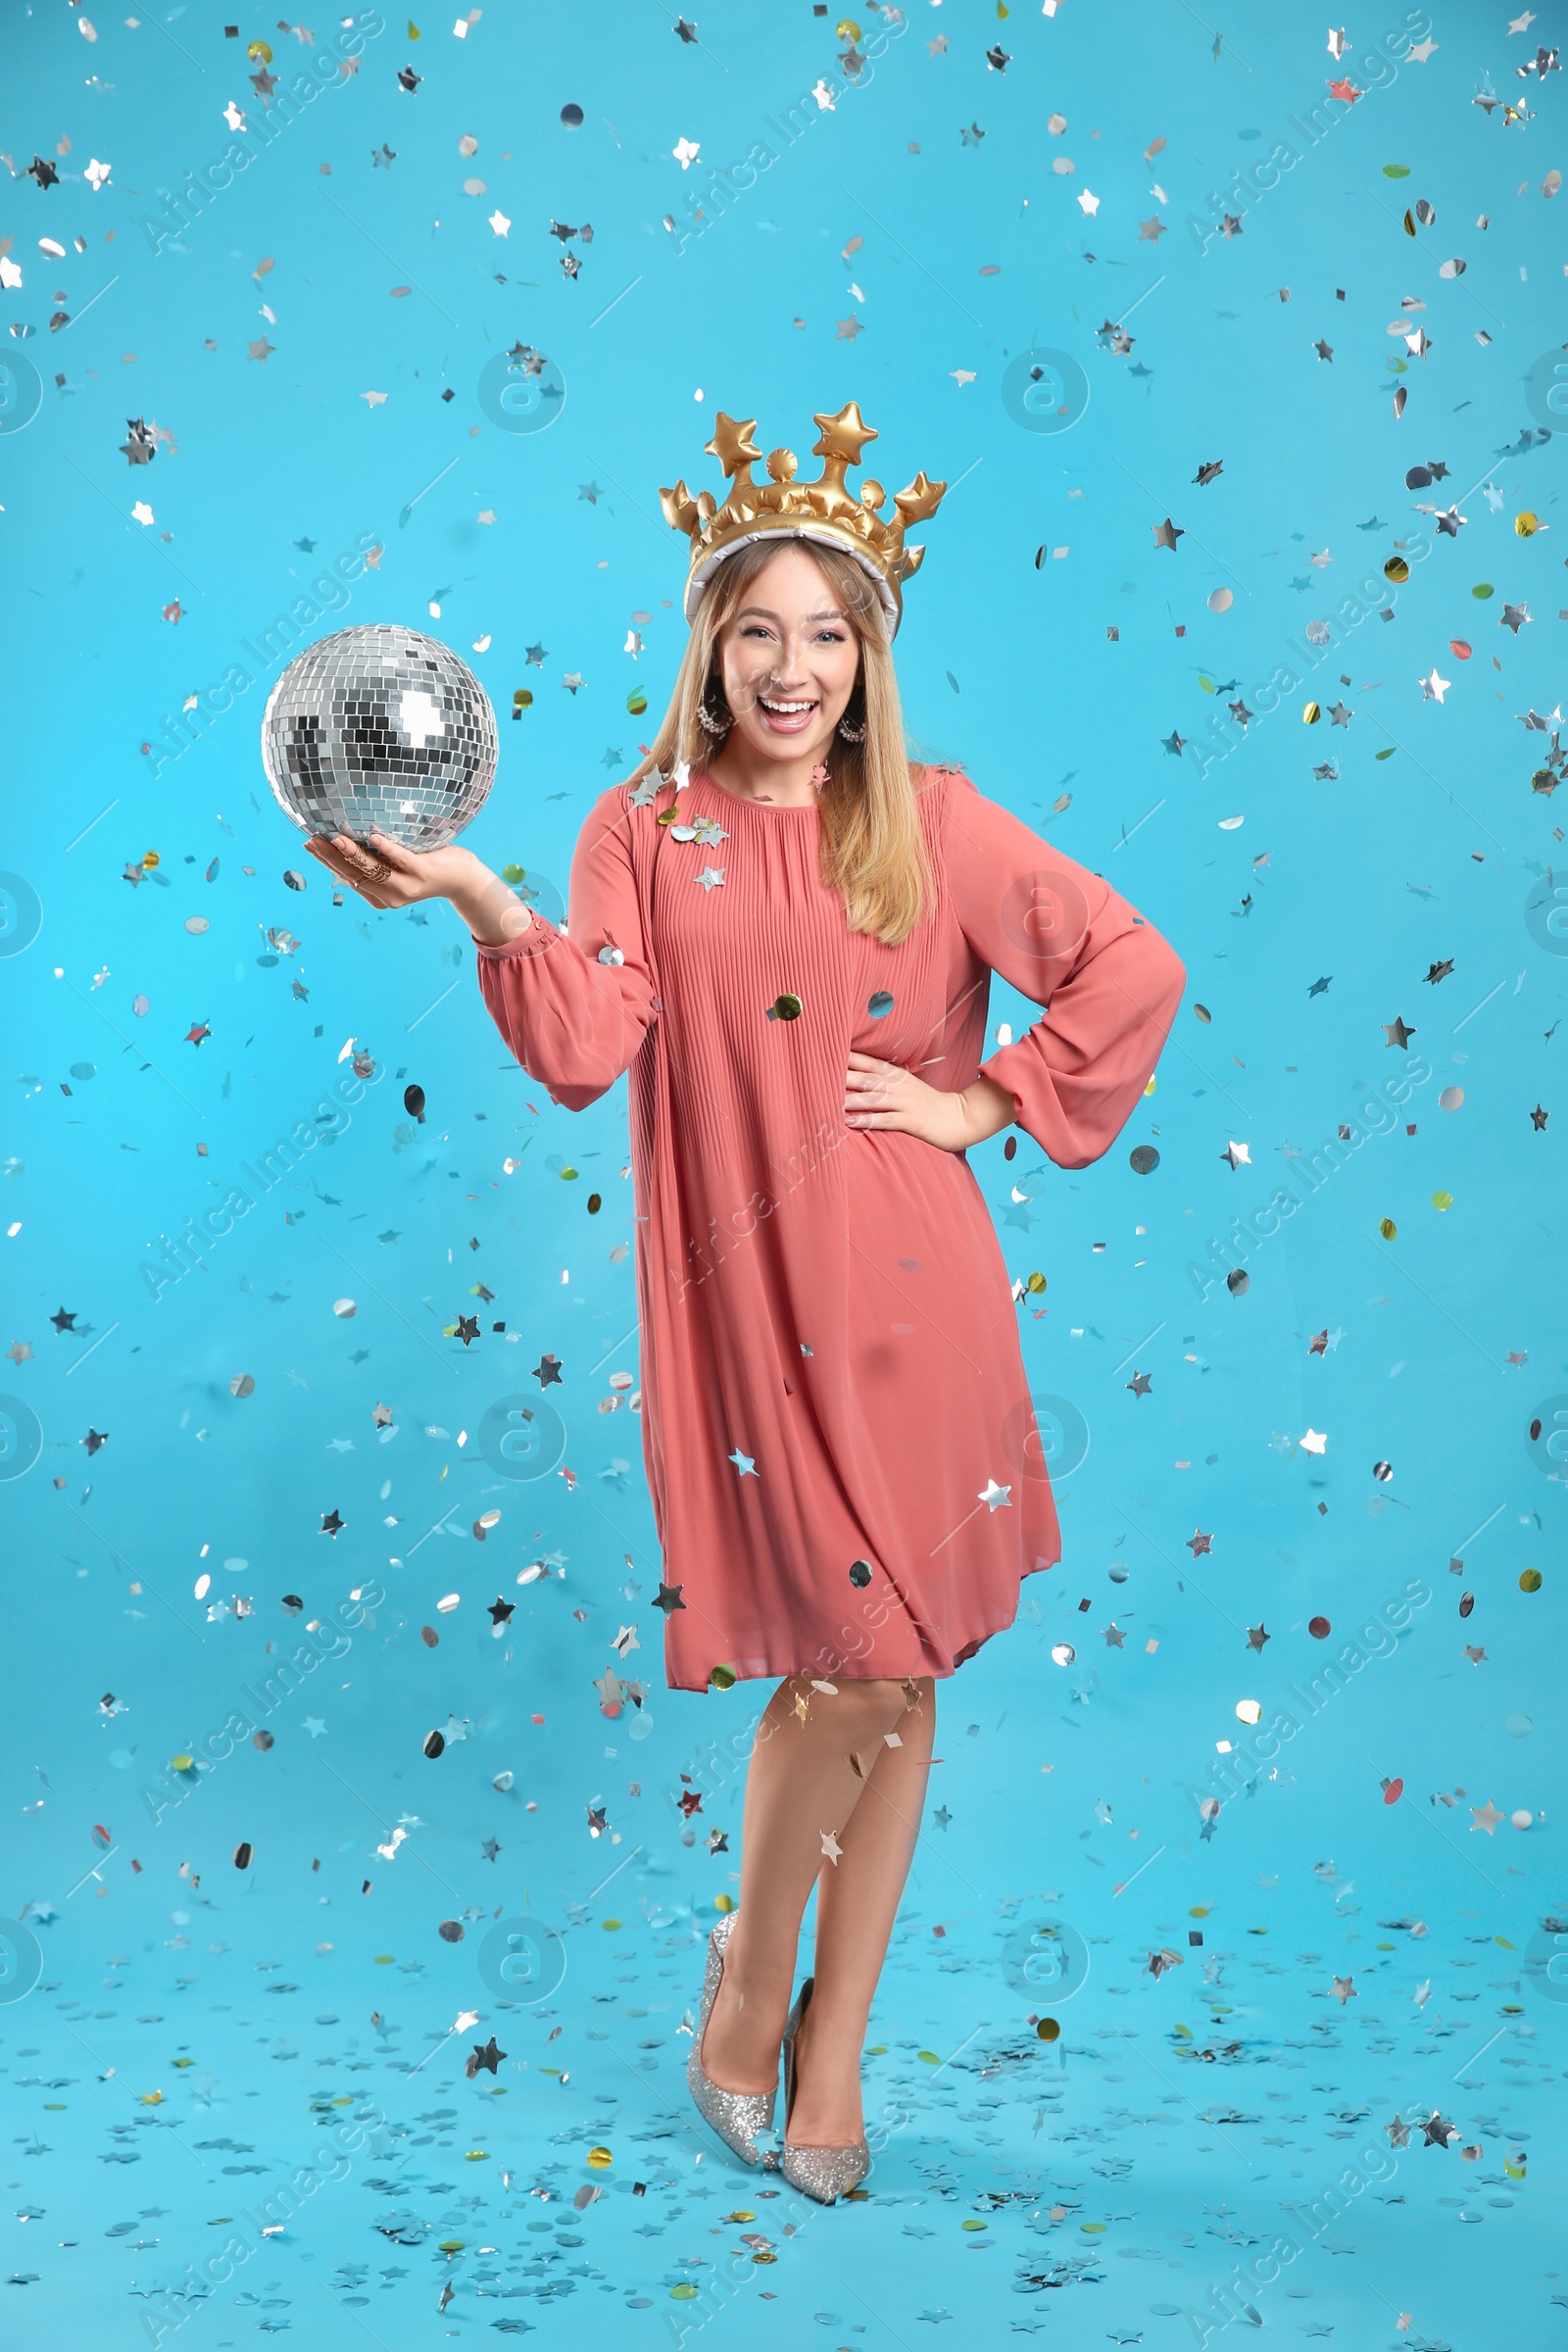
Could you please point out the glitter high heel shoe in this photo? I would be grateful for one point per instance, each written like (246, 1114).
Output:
(824, 2173)
(737, 2116)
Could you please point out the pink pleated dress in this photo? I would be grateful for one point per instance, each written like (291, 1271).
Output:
(845, 1475)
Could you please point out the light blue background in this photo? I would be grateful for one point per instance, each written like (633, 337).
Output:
(240, 1999)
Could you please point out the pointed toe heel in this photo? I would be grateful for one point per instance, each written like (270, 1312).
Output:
(825, 2173)
(739, 2117)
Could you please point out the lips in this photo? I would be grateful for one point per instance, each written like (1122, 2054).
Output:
(786, 714)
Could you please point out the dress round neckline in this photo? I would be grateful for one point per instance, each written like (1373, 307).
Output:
(705, 775)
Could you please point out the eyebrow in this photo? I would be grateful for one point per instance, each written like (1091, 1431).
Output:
(765, 614)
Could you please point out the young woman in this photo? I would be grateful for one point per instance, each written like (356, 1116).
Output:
(785, 931)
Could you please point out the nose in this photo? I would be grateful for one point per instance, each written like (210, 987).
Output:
(788, 674)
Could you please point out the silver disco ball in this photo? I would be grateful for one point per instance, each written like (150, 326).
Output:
(379, 730)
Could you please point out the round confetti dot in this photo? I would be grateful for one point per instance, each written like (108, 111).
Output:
(1201, 1013)
(522, 699)
(1522, 1819)
(1459, 649)
(242, 1385)
(1319, 1628)
(1055, 124)
(1467, 1601)
(1450, 1098)
(859, 1574)
(723, 1902)
(413, 1102)
(1387, 1228)
(1442, 1199)
(242, 1856)
(1047, 2029)
(1143, 1160)
(1036, 1283)
(636, 701)
(879, 1006)
(263, 1740)
(786, 1008)
(196, 924)
(1116, 1573)
(1417, 479)
(139, 1005)
(1518, 1727)
(1397, 570)
(1529, 1582)
(1482, 590)
(1063, 1654)
(451, 1931)
(344, 1308)
(571, 117)
(599, 2158)
(1238, 1281)
(1220, 600)
(1248, 1710)
(1310, 715)
(1395, 170)
(1392, 1790)
(202, 1586)
(292, 1605)
(1383, 1470)
(429, 1637)
(1526, 524)
(434, 1746)
(722, 1677)
(85, 1069)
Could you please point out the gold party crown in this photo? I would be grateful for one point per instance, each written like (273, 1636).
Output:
(824, 510)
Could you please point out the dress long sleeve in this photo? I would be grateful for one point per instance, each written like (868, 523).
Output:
(1110, 983)
(574, 1021)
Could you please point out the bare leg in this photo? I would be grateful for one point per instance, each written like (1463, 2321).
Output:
(857, 1903)
(801, 1786)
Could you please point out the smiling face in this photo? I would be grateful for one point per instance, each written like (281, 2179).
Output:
(787, 660)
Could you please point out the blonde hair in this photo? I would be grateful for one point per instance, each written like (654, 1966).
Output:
(873, 844)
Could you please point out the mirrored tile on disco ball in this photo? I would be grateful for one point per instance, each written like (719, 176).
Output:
(380, 730)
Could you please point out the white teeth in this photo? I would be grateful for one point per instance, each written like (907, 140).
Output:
(787, 708)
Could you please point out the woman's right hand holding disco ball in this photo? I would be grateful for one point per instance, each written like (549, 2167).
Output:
(387, 874)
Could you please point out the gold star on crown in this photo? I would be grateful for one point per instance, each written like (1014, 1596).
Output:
(824, 510)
